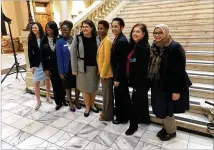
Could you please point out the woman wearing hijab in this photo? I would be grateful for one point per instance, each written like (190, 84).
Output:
(169, 80)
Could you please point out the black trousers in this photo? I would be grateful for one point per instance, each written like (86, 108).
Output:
(122, 102)
(58, 90)
(139, 107)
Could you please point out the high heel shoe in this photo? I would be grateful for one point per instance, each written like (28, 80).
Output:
(86, 114)
(95, 109)
(38, 105)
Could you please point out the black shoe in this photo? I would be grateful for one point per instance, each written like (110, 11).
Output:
(162, 132)
(95, 110)
(118, 122)
(130, 131)
(58, 107)
(65, 104)
(86, 114)
(168, 137)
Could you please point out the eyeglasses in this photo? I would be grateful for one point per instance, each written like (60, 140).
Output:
(157, 33)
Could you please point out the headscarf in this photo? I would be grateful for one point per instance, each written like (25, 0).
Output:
(157, 50)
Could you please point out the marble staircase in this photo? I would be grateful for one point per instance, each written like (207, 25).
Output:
(191, 24)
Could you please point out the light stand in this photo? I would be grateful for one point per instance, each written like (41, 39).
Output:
(16, 63)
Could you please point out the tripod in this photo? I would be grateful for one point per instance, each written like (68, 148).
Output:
(16, 63)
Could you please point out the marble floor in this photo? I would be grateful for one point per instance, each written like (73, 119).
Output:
(8, 60)
(24, 128)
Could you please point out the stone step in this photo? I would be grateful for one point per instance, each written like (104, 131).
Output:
(188, 120)
(166, 12)
(175, 26)
(198, 46)
(196, 18)
(201, 77)
(201, 55)
(171, 20)
(202, 5)
(166, 3)
(200, 65)
(144, 14)
(183, 38)
(176, 32)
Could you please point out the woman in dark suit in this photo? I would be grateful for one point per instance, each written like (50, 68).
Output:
(49, 62)
(137, 66)
(119, 55)
(169, 80)
(34, 38)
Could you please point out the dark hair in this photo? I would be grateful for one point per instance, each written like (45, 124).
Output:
(32, 35)
(144, 30)
(92, 25)
(104, 23)
(53, 26)
(68, 23)
(120, 20)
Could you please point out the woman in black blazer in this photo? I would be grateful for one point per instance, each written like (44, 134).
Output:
(137, 66)
(119, 54)
(49, 62)
(34, 38)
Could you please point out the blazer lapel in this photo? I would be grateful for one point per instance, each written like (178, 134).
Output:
(102, 42)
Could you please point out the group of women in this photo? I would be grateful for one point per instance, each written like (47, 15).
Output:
(87, 59)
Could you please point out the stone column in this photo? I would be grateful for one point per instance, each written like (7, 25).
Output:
(24, 40)
(64, 15)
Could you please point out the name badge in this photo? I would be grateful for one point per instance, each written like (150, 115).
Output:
(66, 45)
(133, 60)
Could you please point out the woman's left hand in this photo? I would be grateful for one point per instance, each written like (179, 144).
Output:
(175, 96)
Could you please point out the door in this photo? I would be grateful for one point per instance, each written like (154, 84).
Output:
(42, 12)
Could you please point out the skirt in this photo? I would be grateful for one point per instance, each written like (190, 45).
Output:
(39, 74)
(89, 81)
(70, 80)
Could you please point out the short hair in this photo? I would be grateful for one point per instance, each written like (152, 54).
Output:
(68, 23)
(120, 20)
(104, 23)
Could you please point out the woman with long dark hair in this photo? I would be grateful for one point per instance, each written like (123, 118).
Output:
(49, 62)
(137, 65)
(34, 51)
(63, 46)
(84, 65)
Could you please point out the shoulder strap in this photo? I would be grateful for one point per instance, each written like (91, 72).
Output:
(78, 53)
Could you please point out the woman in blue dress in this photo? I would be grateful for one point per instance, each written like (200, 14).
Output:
(64, 63)
(37, 33)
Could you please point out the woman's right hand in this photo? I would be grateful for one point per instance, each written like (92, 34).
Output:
(74, 73)
(32, 70)
(47, 73)
(62, 76)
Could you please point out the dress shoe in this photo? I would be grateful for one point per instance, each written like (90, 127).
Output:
(118, 122)
(78, 106)
(38, 105)
(65, 103)
(58, 107)
(168, 136)
(95, 109)
(86, 114)
(162, 132)
(130, 131)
